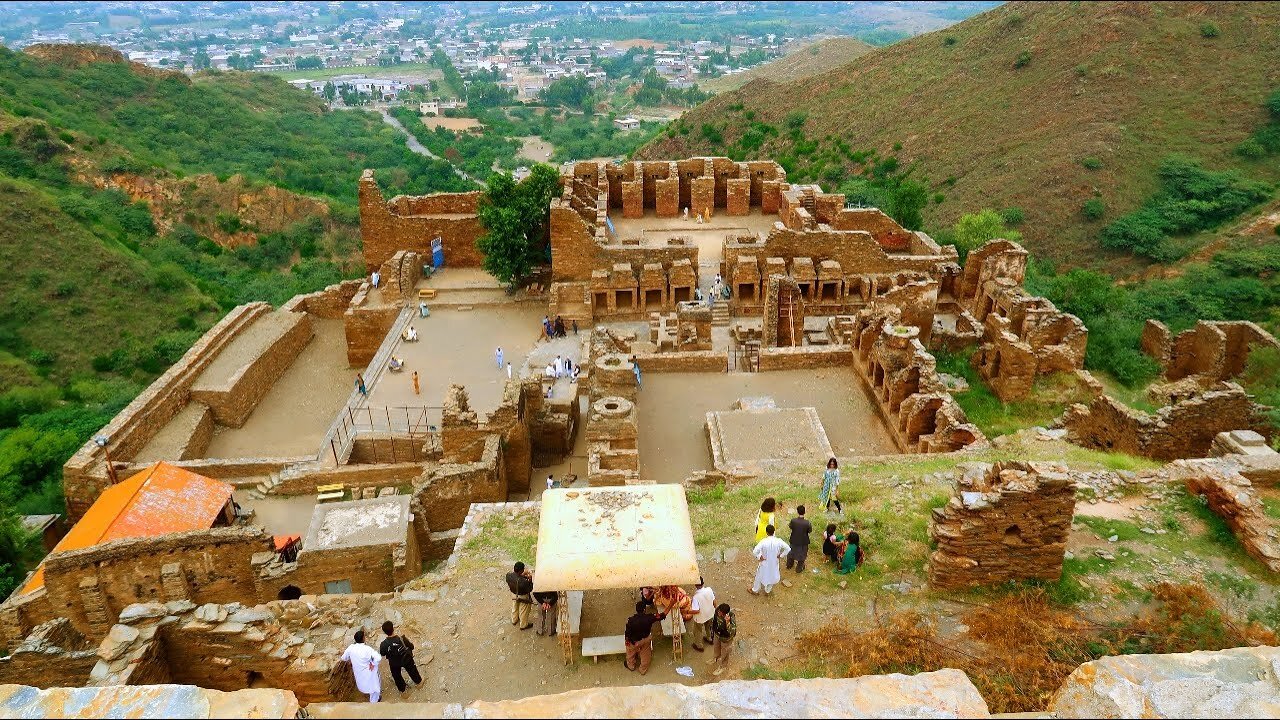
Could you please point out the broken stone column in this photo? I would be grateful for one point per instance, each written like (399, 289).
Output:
(1005, 522)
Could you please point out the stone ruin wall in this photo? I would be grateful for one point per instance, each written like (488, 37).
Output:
(91, 586)
(1208, 353)
(1183, 430)
(54, 654)
(1233, 497)
(412, 222)
(902, 379)
(85, 473)
(231, 400)
(1004, 522)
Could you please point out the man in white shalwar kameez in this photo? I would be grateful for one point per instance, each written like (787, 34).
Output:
(364, 665)
(768, 551)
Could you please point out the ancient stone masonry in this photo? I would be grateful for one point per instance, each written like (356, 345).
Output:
(154, 701)
(1184, 430)
(53, 655)
(1232, 496)
(902, 378)
(842, 258)
(1004, 522)
(1201, 357)
(412, 222)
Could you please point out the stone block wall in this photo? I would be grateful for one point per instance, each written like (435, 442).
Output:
(443, 493)
(667, 197)
(738, 201)
(702, 196)
(366, 327)
(411, 223)
(328, 304)
(84, 475)
(399, 276)
(1232, 497)
(633, 199)
(91, 586)
(1183, 430)
(53, 655)
(1210, 352)
(806, 357)
(902, 379)
(232, 399)
(1004, 522)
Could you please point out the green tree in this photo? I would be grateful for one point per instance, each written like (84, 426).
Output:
(516, 219)
(906, 201)
(571, 92)
(972, 230)
(18, 550)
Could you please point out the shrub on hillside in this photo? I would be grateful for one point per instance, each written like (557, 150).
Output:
(1209, 30)
(1024, 59)
(1093, 209)
(1091, 163)
(1191, 198)
(795, 119)
(973, 230)
(949, 40)
(1012, 215)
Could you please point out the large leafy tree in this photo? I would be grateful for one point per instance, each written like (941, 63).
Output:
(516, 217)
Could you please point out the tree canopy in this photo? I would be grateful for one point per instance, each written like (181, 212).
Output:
(516, 217)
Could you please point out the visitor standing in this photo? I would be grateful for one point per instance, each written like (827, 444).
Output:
(575, 326)
(831, 486)
(499, 356)
(398, 651)
(635, 367)
(546, 328)
(559, 325)
(724, 628)
(360, 385)
(364, 665)
(376, 278)
(768, 552)
(508, 371)
(416, 389)
(638, 638)
(800, 530)
(520, 582)
(765, 518)
(546, 602)
(704, 609)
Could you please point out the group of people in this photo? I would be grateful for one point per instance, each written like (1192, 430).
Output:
(843, 550)
(552, 329)
(366, 662)
(714, 625)
(562, 367)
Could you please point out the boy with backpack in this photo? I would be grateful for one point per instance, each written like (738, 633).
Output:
(399, 653)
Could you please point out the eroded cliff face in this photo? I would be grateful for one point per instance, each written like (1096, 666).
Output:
(199, 200)
(72, 55)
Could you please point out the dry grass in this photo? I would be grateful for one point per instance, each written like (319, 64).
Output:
(1021, 647)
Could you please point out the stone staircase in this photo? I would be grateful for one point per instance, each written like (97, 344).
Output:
(720, 314)
(264, 488)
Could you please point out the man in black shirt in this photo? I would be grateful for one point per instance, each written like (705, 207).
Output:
(638, 638)
(399, 653)
(800, 529)
(520, 582)
(546, 602)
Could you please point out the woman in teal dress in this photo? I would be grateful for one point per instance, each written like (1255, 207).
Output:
(852, 555)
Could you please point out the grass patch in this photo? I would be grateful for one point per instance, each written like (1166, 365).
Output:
(1238, 585)
(1049, 397)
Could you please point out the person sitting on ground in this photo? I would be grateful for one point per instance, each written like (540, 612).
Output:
(550, 371)
(697, 294)
(395, 363)
(829, 548)
(422, 309)
(410, 335)
(851, 554)
(573, 377)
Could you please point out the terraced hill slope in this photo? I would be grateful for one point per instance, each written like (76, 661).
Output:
(806, 61)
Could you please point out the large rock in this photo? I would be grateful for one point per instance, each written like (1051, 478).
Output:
(941, 694)
(144, 701)
(1236, 683)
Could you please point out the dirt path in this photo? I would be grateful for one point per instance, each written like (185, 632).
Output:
(414, 145)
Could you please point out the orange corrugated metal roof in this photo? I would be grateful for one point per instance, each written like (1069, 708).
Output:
(161, 499)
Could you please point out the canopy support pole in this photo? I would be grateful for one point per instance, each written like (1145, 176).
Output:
(562, 623)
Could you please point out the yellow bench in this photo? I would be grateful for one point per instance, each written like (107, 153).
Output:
(426, 293)
(325, 493)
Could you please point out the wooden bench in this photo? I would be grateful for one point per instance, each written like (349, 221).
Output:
(594, 647)
(325, 493)
(426, 293)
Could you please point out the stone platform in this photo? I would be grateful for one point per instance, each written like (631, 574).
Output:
(756, 430)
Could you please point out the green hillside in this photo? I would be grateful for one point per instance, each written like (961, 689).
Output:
(1042, 107)
(811, 59)
(97, 300)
